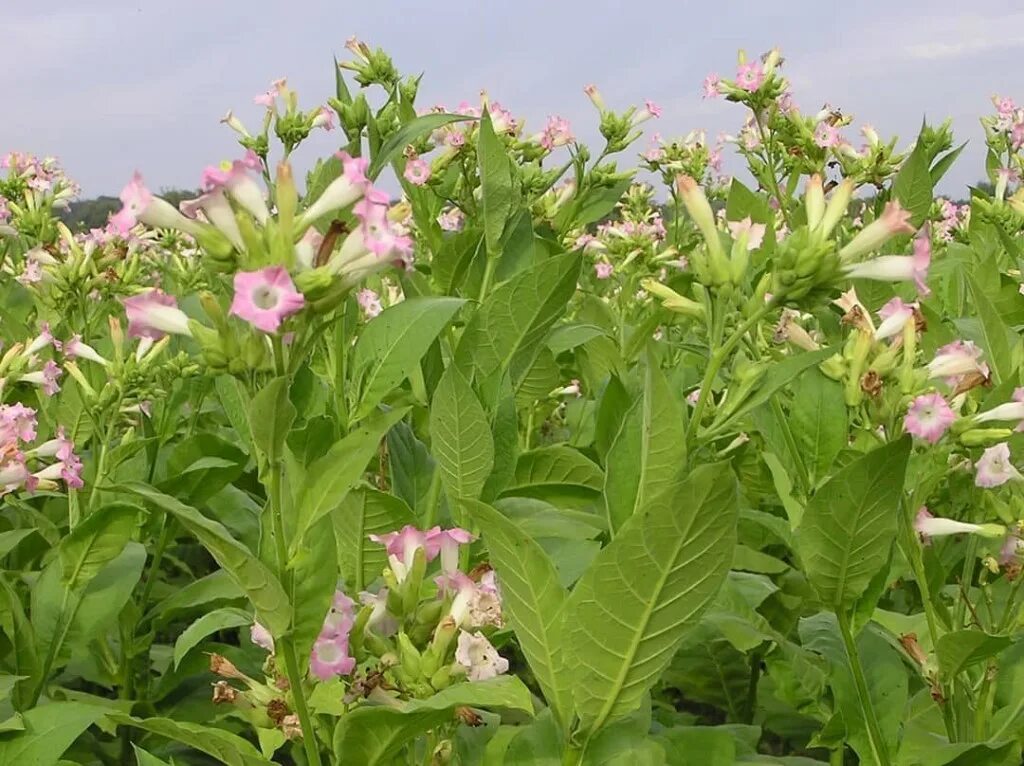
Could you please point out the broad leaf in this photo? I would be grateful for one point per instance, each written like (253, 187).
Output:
(334, 475)
(532, 600)
(648, 453)
(461, 438)
(393, 343)
(995, 334)
(226, 747)
(818, 421)
(408, 134)
(913, 184)
(208, 624)
(49, 731)
(366, 512)
(373, 735)
(960, 649)
(259, 583)
(628, 614)
(849, 526)
(271, 414)
(557, 465)
(95, 542)
(314, 580)
(495, 183)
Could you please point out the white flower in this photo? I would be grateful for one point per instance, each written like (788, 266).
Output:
(481, 660)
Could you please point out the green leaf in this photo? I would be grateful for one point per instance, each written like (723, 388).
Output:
(228, 748)
(106, 595)
(392, 344)
(510, 326)
(557, 466)
(743, 203)
(412, 467)
(372, 735)
(995, 334)
(334, 475)
(960, 649)
(235, 401)
(271, 415)
(850, 524)
(461, 439)
(314, 580)
(49, 731)
(565, 337)
(408, 134)
(95, 542)
(532, 600)
(599, 202)
(615, 403)
(366, 512)
(259, 583)
(818, 421)
(913, 184)
(202, 595)
(943, 164)
(648, 453)
(495, 183)
(142, 758)
(209, 623)
(632, 608)
(10, 540)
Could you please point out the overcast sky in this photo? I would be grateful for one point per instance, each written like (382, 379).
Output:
(114, 85)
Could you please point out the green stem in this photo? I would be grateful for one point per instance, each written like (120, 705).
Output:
(286, 648)
(878, 744)
(492, 263)
(986, 699)
(714, 365)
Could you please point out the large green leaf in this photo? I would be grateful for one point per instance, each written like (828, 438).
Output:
(259, 583)
(235, 401)
(509, 328)
(913, 184)
(631, 609)
(49, 731)
(818, 421)
(393, 343)
(962, 648)
(995, 334)
(461, 438)
(334, 475)
(558, 465)
(408, 134)
(366, 512)
(534, 602)
(226, 747)
(95, 542)
(496, 188)
(208, 624)
(271, 414)
(412, 467)
(372, 735)
(143, 758)
(314, 580)
(648, 453)
(849, 526)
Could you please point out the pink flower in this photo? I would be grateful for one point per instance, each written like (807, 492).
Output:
(32, 274)
(76, 348)
(46, 378)
(898, 268)
(956, 359)
(826, 135)
(417, 171)
(1010, 411)
(448, 542)
(603, 270)
(267, 99)
(402, 546)
(479, 658)
(369, 302)
(234, 179)
(260, 636)
(894, 220)
(994, 467)
(453, 220)
(17, 422)
(710, 86)
(380, 621)
(928, 526)
(750, 76)
(324, 119)
(556, 133)
(894, 315)
(929, 417)
(474, 604)
(754, 232)
(347, 189)
(340, 618)
(265, 298)
(154, 314)
(139, 205)
(330, 658)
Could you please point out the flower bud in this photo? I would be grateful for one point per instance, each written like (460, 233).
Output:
(984, 437)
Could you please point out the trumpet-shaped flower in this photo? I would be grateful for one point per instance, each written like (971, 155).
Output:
(710, 86)
(74, 348)
(448, 542)
(1010, 411)
(417, 171)
(369, 302)
(154, 314)
(929, 417)
(556, 133)
(894, 220)
(754, 232)
(345, 190)
(265, 298)
(894, 315)
(928, 526)
(994, 467)
(139, 205)
(898, 268)
(478, 657)
(402, 545)
(750, 76)
(330, 658)
(955, 360)
(603, 270)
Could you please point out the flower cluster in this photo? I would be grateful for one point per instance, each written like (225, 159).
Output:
(17, 433)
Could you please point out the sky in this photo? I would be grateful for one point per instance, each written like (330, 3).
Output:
(111, 86)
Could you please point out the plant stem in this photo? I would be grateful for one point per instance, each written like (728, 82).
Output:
(714, 365)
(286, 648)
(878, 744)
(485, 285)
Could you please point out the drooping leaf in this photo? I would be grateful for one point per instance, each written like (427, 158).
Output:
(372, 735)
(271, 414)
(95, 542)
(228, 748)
(648, 453)
(208, 624)
(557, 465)
(849, 526)
(533, 601)
(49, 731)
(259, 583)
(461, 438)
(631, 609)
(393, 343)
(960, 649)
